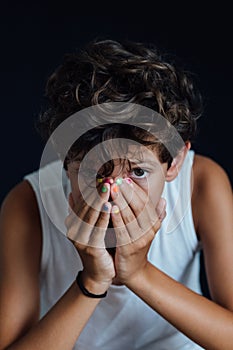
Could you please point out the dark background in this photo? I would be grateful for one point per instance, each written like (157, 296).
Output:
(35, 36)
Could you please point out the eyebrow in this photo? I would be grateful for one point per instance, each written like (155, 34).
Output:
(144, 161)
(137, 161)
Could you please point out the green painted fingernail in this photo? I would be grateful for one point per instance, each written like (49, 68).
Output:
(119, 181)
(104, 189)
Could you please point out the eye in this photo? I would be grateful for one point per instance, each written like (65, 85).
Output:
(139, 173)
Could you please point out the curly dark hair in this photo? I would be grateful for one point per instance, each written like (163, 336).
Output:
(111, 71)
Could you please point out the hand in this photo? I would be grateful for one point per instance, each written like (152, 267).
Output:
(86, 227)
(135, 224)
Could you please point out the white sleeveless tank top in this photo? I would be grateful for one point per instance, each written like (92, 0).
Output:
(121, 321)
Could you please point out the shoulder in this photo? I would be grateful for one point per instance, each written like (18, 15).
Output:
(21, 200)
(20, 256)
(206, 169)
(211, 189)
(20, 218)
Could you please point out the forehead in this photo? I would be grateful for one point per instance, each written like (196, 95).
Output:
(133, 154)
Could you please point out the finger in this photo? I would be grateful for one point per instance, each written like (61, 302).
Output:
(96, 205)
(161, 209)
(88, 198)
(91, 217)
(134, 196)
(135, 213)
(97, 237)
(122, 235)
(122, 204)
(131, 190)
(84, 222)
(162, 216)
(144, 209)
(78, 210)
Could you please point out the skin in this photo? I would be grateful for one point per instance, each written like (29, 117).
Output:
(208, 323)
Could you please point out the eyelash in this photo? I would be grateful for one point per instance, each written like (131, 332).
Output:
(146, 173)
(91, 173)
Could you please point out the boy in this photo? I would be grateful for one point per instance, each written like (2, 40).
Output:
(118, 174)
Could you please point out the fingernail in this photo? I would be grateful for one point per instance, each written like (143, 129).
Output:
(115, 209)
(100, 180)
(104, 189)
(128, 181)
(106, 207)
(115, 188)
(119, 181)
(108, 181)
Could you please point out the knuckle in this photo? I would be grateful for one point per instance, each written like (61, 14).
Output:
(90, 215)
(141, 206)
(120, 231)
(98, 231)
(129, 218)
(72, 234)
(91, 251)
(67, 222)
(145, 239)
(164, 214)
(142, 242)
(157, 225)
(118, 224)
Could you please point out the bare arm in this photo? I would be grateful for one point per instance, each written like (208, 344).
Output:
(20, 246)
(205, 322)
(213, 213)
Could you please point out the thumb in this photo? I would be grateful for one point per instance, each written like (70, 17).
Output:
(161, 208)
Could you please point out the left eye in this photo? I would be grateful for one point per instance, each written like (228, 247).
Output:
(138, 173)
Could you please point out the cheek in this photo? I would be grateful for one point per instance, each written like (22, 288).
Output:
(155, 188)
(80, 188)
(74, 188)
(75, 194)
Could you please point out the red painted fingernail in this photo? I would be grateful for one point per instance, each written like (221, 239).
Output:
(128, 181)
(108, 181)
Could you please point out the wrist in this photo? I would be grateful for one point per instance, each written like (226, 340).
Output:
(90, 286)
(138, 279)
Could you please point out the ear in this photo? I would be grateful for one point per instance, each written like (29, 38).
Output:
(177, 162)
